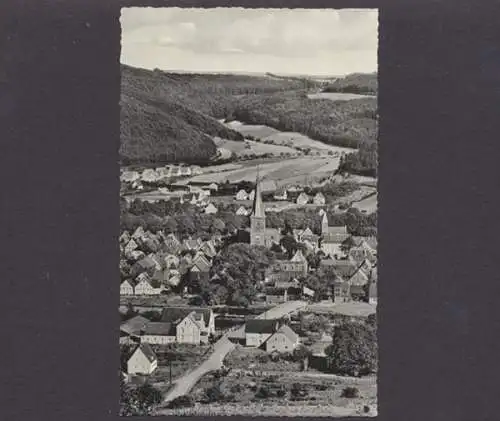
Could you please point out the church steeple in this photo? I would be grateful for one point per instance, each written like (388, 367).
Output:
(258, 207)
(258, 217)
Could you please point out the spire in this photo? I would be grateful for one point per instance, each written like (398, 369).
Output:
(258, 207)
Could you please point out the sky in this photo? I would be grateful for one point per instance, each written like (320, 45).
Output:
(323, 42)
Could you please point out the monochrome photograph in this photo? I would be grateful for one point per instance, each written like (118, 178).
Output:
(248, 212)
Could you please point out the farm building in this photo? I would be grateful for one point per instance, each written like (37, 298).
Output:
(158, 333)
(257, 331)
(281, 194)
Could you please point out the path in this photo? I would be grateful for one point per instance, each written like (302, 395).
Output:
(222, 347)
(184, 384)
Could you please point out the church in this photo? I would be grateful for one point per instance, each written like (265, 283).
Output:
(259, 234)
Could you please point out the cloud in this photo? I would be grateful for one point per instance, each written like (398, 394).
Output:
(277, 33)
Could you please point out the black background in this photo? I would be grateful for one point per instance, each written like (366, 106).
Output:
(439, 102)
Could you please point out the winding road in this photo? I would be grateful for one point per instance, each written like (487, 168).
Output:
(222, 347)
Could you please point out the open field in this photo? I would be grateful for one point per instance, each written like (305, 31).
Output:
(289, 139)
(337, 96)
(354, 308)
(284, 171)
(368, 204)
(271, 393)
(250, 147)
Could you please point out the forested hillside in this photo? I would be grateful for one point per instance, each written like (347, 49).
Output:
(169, 117)
(356, 83)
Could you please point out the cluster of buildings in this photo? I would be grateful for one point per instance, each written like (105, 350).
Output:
(293, 195)
(154, 175)
(156, 263)
(350, 261)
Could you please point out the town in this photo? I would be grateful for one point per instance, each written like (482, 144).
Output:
(231, 291)
(248, 259)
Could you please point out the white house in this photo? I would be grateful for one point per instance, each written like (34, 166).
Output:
(242, 211)
(303, 199)
(242, 195)
(184, 317)
(258, 331)
(144, 287)
(126, 288)
(211, 209)
(158, 333)
(129, 176)
(142, 361)
(284, 340)
(149, 175)
(213, 186)
(319, 199)
(281, 195)
(251, 196)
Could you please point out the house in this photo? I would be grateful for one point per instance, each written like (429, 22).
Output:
(196, 170)
(170, 261)
(172, 244)
(134, 326)
(242, 195)
(211, 209)
(158, 261)
(258, 331)
(319, 199)
(130, 246)
(332, 238)
(281, 194)
(146, 265)
(305, 235)
(341, 291)
(284, 340)
(302, 199)
(124, 237)
(138, 233)
(251, 195)
(137, 185)
(213, 186)
(144, 286)
(129, 176)
(135, 255)
(276, 296)
(285, 270)
(142, 361)
(159, 333)
(126, 288)
(372, 293)
(321, 212)
(174, 280)
(200, 268)
(204, 317)
(149, 175)
(208, 248)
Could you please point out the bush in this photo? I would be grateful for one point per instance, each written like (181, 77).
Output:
(281, 393)
(298, 391)
(184, 401)
(366, 409)
(350, 392)
(214, 394)
(263, 393)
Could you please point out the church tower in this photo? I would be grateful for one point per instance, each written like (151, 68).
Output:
(258, 218)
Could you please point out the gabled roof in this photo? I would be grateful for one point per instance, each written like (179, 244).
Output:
(147, 351)
(147, 262)
(160, 329)
(288, 332)
(261, 326)
(177, 314)
(134, 325)
(298, 257)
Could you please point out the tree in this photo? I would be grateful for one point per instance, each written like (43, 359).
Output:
(237, 270)
(290, 245)
(354, 349)
(138, 401)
